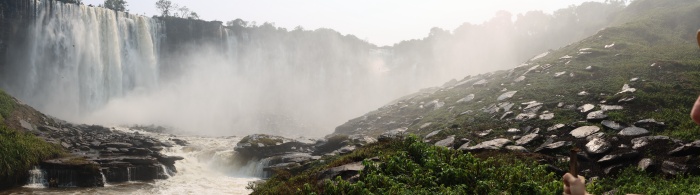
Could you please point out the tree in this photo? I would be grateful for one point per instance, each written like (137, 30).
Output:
(164, 6)
(117, 5)
(193, 15)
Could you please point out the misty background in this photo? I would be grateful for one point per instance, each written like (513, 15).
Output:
(267, 79)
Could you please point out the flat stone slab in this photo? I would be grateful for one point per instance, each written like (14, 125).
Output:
(598, 146)
(494, 144)
(611, 124)
(525, 116)
(633, 131)
(506, 95)
(618, 157)
(596, 116)
(447, 142)
(555, 127)
(466, 99)
(641, 142)
(586, 107)
(527, 139)
(584, 131)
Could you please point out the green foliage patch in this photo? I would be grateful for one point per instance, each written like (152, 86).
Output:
(20, 151)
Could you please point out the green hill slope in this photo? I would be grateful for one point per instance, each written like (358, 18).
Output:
(613, 84)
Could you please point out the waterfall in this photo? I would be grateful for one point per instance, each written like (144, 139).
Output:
(166, 172)
(259, 169)
(37, 178)
(104, 178)
(128, 174)
(80, 57)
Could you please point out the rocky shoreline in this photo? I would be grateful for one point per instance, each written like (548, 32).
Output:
(99, 155)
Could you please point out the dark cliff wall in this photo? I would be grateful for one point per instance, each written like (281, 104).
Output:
(183, 36)
(16, 17)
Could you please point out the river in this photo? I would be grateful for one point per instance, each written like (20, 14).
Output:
(209, 167)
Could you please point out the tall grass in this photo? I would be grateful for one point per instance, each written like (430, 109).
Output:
(19, 151)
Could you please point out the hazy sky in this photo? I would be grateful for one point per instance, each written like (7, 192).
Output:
(382, 22)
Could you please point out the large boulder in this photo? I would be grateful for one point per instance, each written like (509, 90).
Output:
(494, 144)
(263, 146)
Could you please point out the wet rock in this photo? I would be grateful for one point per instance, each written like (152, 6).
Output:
(180, 142)
(641, 142)
(673, 168)
(596, 116)
(598, 146)
(633, 131)
(494, 144)
(393, 134)
(612, 158)
(527, 139)
(516, 148)
(506, 95)
(263, 146)
(611, 124)
(646, 164)
(344, 171)
(586, 108)
(359, 140)
(26, 125)
(506, 106)
(447, 142)
(520, 78)
(582, 93)
(118, 145)
(584, 131)
(282, 166)
(69, 172)
(347, 149)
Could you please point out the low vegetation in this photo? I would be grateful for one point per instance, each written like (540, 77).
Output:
(20, 151)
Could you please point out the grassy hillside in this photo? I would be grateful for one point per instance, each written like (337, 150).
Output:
(652, 50)
(19, 150)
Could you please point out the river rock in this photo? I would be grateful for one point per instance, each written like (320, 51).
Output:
(118, 145)
(633, 131)
(494, 144)
(263, 146)
(527, 139)
(598, 146)
(584, 131)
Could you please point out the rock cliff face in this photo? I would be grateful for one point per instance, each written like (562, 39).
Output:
(182, 36)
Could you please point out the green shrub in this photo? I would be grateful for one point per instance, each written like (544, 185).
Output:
(19, 151)
(633, 181)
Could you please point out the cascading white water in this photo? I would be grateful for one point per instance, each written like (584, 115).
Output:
(37, 178)
(80, 57)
